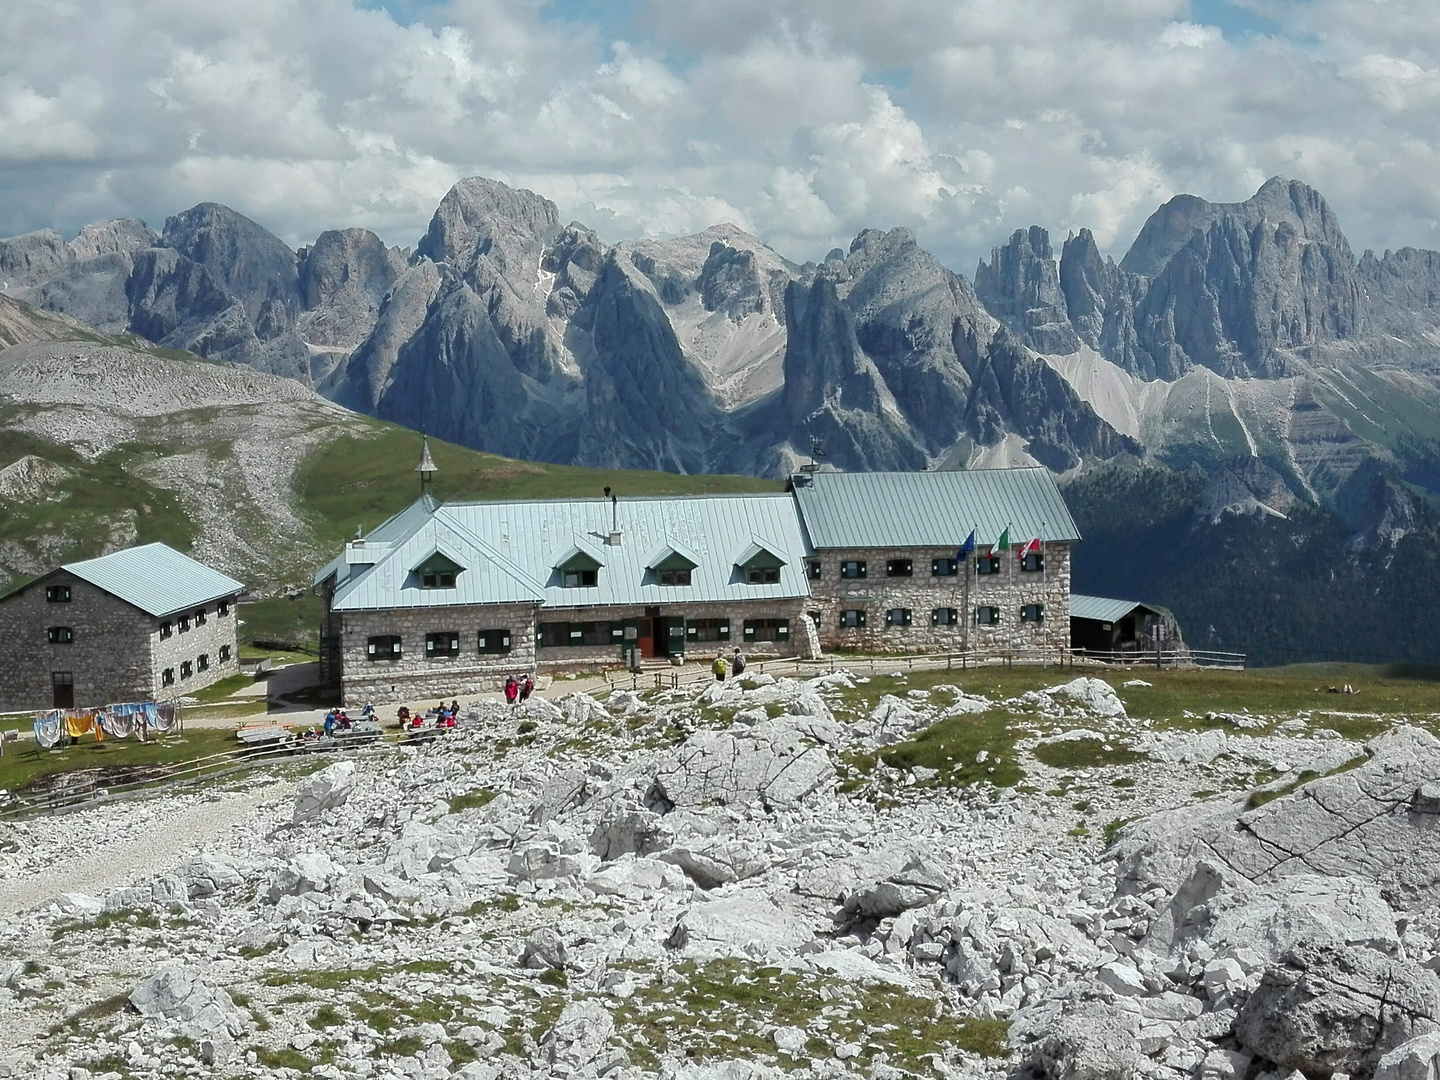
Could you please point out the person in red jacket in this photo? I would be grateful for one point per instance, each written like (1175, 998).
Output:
(512, 689)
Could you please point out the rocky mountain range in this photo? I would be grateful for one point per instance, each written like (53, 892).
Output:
(1227, 329)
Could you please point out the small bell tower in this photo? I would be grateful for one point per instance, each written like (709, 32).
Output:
(426, 468)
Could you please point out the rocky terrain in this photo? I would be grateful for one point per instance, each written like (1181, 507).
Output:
(1243, 328)
(727, 882)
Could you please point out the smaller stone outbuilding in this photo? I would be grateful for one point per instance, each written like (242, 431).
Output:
(1100, 624)
(143, 624)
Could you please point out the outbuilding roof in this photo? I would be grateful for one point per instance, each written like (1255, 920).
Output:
(931, 509)
(1103, 608)
(156, 578)
(518, 547)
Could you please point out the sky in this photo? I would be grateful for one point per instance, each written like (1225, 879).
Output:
(803, 121)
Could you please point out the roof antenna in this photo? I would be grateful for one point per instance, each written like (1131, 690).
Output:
(614, 517)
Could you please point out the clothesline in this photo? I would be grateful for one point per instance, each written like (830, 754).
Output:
(140, 719)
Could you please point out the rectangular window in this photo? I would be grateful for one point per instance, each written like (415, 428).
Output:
(852, 617)
(200, 616)
(987, 616)
(202, 662)
(222, 609)
(166, 630)
(1033, 562)
(708, 629)
(441, 644)
(384, 647)
(167, 677)
(494, 642)
(899, 568)
(1032, 613)
(184, 623)
(767, 629)
(186, 669)
(579, 579)
(762, 575)
(853, 568)
(549, 635)
(944, 616)
(812, 569)
(224, 654)
(944, 568)
(674, 577)
(57, 594)
(60, 635)
(590, 633)
(987, 564)
(437, 579)
(899, 616)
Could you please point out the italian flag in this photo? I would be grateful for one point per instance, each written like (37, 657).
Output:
(1003, 543)
(1031, 547)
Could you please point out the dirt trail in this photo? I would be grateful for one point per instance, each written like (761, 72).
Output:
(98, 865)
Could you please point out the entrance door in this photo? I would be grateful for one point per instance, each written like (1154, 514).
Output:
(63, 684)
(645, 629)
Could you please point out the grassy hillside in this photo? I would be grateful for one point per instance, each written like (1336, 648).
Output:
(364, 478)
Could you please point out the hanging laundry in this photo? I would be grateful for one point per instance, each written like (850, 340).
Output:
(162, 718)
(49, 729)
(79, 722)
(117, 722)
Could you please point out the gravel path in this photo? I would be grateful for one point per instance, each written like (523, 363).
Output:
(99, 865)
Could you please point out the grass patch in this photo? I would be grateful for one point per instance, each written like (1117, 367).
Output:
(404, 1046)
(1085, 753)
(472, 800)
(327, 1016)
(952, 745)
(126, 920)
(223, 689)
(354, 481)
(23, 767)
(98, 1010)
(1113, 827)
(1264, 795)
(280, 627)
(727, 1009)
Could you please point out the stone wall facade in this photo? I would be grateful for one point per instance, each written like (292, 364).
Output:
(214, 640)
(921, 593)
(696, 648)
(420, 679)
(115, 653)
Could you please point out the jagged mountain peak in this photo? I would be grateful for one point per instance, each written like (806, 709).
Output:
(483, 217)
(1277, 201)
(245, 259)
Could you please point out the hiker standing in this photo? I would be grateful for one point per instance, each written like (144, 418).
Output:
(526, 689)
(737, 665)
(719, 667)
(512, 689)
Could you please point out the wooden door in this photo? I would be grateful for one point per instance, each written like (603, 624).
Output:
(646, 630)
(64, 685)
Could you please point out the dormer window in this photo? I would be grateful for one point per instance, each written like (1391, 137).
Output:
(672, 565)
(760, 565)
(578, 569)
(438, 572)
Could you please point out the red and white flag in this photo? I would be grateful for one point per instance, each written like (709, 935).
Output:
(1030, 547)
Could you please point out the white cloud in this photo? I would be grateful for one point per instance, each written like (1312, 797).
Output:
(963, 119)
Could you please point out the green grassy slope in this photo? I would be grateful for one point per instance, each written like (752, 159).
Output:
(361, 481)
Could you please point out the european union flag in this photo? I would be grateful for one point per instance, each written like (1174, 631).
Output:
(967, 548)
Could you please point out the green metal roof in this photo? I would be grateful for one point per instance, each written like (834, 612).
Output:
(517, 547)
(1102, 608)
(931, 509)
(156, 579)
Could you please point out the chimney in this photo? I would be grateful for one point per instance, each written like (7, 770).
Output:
(614, 518)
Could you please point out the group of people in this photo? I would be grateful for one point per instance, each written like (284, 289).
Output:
(338, 719)
(735, 667)
(518, 691)
(446, 717)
